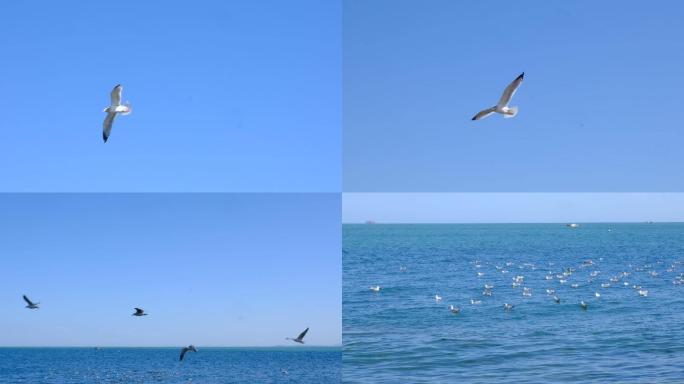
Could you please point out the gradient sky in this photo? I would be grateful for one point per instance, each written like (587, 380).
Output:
(211, 269)
(227, 96)
(511, 207)
(599, 107)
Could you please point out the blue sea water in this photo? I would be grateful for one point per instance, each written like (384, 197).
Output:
(402, 334)
(161, 365)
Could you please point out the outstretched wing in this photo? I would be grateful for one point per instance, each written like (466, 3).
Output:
(107, 125)
(301, 335)
(116, 95)
(138, 310)
(485, 113)
(26, 299)
(183, 351)
(510, 91)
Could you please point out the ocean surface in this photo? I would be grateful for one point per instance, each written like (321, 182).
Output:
(161, 365)
(403, 334)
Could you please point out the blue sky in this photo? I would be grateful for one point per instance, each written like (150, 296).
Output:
(226, 95)
(211, 269)
(598, 108)
(512, 207)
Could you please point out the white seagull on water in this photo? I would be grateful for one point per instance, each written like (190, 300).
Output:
(31, 304)
(300, 338)
(185, 350)
(502, 106)
(112, 110)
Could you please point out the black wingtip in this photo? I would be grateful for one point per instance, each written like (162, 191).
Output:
(473, 119)
(104, 138)
(522, 75)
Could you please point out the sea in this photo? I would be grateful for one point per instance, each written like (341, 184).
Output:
(632, 332)
(161, 365)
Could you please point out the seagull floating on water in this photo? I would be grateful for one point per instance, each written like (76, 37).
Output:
(475, 302)
(190, 348)
(556, 299)
(583, 305)
(454, 309)
(112, 110)
(438, 298)
(502, 106)
(375, 288)
(139, 312)
(30, 304)
(508, 307)
(300, 338)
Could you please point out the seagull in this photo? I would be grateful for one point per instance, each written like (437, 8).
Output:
(375, 288)
(438, 298)
(643, 292)
(508, 307)
(583, 305)
(186, 349)
(502, 106)
(284, 371)
(475, 302)
(31, 304)
(454, 309)
(597, 294)
(139, 312)
(556, 299)
(300, 338)
(112, 110)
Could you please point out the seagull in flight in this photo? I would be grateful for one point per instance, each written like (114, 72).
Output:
(300, 338)
(31, 304)
(139, 312)
(112, 110)
(502, 106)
(185, 350)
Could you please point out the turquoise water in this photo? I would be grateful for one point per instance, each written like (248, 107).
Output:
(161, 365)
(402, 334)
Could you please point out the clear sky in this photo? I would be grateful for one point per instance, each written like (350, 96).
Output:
(211, 269)
(238, 95)
(599, 106)
(512, 207)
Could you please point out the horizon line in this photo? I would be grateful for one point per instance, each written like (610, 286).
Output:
(514, 222)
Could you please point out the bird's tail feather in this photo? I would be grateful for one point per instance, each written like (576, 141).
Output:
(512, 111)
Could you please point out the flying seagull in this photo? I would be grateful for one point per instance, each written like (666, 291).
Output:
(139, 312)
(186, 349)
(31, 304)
(112, 110)
(300, 338)
(502, 106)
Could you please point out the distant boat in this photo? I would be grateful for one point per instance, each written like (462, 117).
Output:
(572, 225)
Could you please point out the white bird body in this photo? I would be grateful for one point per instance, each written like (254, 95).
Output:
(454, 309)
(502, 106)
(375, 288)
(438, 298)
(115, 108)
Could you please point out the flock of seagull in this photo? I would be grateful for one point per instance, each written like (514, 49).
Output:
(566, 279)
(139, 312)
